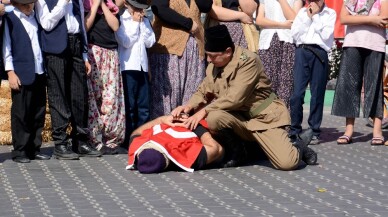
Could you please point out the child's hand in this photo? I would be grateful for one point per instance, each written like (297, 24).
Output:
(194, 28)
(245, 18)
(312, 9)
(379, 21)
(2, 9)
(88, 68)
(13, 79)
(137, 15)
(287, 24)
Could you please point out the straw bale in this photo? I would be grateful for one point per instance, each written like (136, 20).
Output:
(5, 117)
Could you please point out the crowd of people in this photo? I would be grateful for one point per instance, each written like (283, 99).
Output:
(179, 92)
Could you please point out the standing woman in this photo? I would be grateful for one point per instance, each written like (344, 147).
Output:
(106, 99)
(177, 59)
(362, 62)
(276, 48)
(232, 13)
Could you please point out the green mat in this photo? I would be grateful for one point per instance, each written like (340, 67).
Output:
(329, 95)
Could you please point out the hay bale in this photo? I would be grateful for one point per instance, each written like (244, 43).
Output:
(5, 117)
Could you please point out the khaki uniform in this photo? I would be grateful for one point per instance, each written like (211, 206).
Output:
(229, 93)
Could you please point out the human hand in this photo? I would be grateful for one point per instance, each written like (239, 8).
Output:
(379, 21)
(174, 122)
(192, 122)
(194, 28)
(245, 18)
(287, 24)
(312, 9)
(13, 79)
(178, 111)
(88, 68)
(138, 14)
(2, 9)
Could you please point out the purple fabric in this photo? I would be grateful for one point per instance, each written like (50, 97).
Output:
(174, 79)
(237, 34)
(278, 62)
(150, 161)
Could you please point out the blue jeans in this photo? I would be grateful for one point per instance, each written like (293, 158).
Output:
(311, 66)
(136, 95)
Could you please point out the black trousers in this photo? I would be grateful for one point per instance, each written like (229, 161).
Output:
(27, 117)
(67, 92)
(358, 66)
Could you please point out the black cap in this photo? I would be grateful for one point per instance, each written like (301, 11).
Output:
(24, 1)
(143, 4)
(217, 39)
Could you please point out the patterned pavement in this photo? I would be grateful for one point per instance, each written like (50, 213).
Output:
(350, 180)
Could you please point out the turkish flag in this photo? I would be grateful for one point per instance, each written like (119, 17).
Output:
(339, 30)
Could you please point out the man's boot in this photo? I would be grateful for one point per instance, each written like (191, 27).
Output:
(308, 155)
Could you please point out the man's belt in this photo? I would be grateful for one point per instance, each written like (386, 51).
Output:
(312, 48)
(255, 111)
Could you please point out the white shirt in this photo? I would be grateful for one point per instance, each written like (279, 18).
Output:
(31, 27)
(319, 30)
(273, 11)
(48, 20)
(133, 39)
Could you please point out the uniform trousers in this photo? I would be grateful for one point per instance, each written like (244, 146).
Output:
(274, 141)
(27, 117)
(67, 92)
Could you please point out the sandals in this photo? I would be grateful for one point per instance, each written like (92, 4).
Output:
(347, 140)
(377, 141)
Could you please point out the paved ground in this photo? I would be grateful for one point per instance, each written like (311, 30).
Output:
(349, 181)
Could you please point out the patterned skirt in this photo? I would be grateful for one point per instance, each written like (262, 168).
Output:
(106, 99)
(174, 79)
(236, 32)
(278, 62)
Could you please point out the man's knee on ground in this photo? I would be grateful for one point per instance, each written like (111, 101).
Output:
(285, 164)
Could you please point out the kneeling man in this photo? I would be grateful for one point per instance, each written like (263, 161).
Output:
(236, 94)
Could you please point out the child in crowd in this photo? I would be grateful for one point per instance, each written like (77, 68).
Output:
(362, 64)
(24, 65)
(134, 36)
(64, 45)
(276, 47)
(313, 34)
(106, 98)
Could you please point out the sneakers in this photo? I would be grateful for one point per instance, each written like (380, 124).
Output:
(315, 140)
(86, 150)
(105, 150)
(65, 152)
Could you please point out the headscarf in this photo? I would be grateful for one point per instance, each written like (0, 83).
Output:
(360, 7)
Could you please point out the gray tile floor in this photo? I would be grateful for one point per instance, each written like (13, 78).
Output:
(350, 180)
